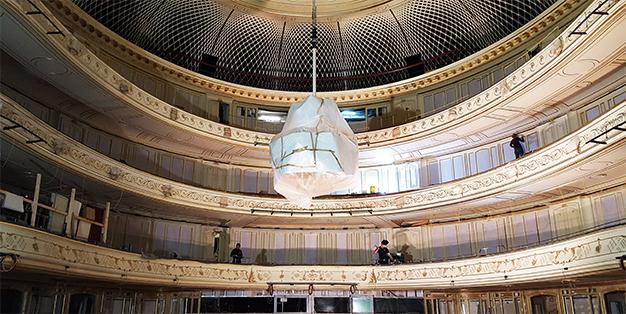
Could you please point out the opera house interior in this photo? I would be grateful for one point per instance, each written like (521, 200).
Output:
(313, 156)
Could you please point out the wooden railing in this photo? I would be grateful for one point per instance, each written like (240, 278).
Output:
(70, 218)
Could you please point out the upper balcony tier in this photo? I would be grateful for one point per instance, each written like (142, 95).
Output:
(260, 110)
(261, 46)
(48, 105)
(595, 252)
(526, 97)
(568, 162)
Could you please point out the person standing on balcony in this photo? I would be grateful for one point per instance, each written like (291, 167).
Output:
(236, 254)
(517, 145)
(384, 257)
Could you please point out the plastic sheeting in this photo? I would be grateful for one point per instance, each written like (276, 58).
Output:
(13, 202)
(315, 154)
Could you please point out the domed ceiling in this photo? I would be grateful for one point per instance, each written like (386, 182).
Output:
(266, 44)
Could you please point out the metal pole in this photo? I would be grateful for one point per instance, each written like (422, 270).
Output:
(314, 71)
(33, 215)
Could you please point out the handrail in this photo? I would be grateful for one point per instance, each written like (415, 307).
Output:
(595, 11)
(248, 137)
(52, 209)
(616, 128)
(261, 168)
(39, 204)
(479, 253)
(93, 222)
(331, 78)
(19, 126)
(39, 12)
(552, 240)
(594, 253)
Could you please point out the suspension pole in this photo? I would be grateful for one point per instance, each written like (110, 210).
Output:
(314, 71)
(314, 44)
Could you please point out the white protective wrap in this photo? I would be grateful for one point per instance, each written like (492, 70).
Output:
(315, 154)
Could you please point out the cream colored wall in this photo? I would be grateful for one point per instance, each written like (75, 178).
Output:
(431, 242)
(160, 238)
(308, 246)
(599, 99)
(193, 101)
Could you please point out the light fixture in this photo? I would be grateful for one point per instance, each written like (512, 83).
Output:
(270, 118)
(316, 152)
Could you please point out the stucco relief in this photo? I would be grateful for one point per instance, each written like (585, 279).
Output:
(130, 51)
(465, 110)
(70, 253)
(519, 264)
(146, 101)
(555, 157)
(593, 252)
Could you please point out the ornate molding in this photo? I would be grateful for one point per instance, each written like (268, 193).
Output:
(61, 149)
(590, 253)
(490, 98)
(248, 94)
(77, 53)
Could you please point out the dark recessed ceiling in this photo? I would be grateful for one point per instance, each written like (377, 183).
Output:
(273, 51)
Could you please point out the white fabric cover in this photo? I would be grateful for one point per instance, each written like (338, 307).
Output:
(315, 154)
(83, 229)
(13, 202)
(74, 209)
(57, 221)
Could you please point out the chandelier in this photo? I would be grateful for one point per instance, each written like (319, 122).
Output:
(316, 152)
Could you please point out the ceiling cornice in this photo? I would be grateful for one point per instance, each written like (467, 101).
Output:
(125, 49)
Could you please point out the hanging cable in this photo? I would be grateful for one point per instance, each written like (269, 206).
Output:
(117, 203)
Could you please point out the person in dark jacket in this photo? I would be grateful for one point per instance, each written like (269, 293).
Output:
(236, 254)
(384, 257)
(517, 145)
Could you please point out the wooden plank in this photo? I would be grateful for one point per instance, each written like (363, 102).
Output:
(93, 222)
(68, 218)
(105, 224)
(35, 203)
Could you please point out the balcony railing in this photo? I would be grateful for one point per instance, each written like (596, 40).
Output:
(38, 216)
